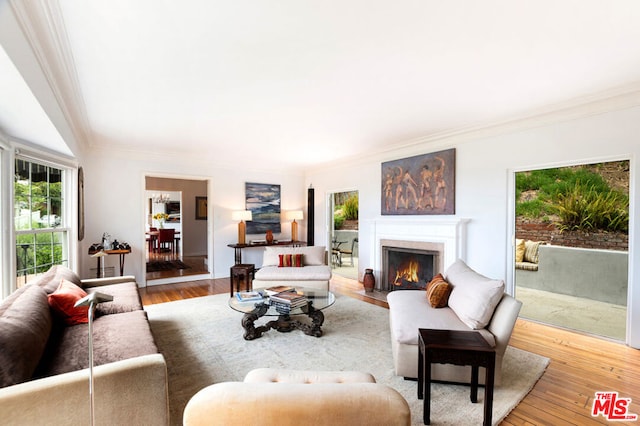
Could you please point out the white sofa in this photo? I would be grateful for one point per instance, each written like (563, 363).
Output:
(294, 397)
(475, 303)
(313, 274)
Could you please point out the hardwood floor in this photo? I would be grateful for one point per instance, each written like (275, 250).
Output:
(580, 365)
(195, 265)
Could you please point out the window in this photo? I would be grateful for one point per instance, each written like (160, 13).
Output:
(41, 224)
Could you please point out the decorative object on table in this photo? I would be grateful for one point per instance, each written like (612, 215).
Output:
(92, 301)
(242, 216)
(293, 215)
(369, 280)
(264, 202)
(269, 237)
(248, 296)
(161, 217)
(420, 185)
(106, 241)
(201, 208)
(122, 246)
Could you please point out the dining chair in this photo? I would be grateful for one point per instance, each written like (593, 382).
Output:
(151, 239)
(349, 252)
(166, 237)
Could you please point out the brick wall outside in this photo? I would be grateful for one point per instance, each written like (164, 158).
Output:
(549, 233)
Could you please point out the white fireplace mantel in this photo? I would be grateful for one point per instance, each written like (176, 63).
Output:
(451, 233)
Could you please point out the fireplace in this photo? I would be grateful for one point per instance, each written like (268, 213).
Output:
(407, 268)
(441, 239)
(409, 265)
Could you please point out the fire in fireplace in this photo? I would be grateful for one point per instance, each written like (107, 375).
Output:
(407, 268)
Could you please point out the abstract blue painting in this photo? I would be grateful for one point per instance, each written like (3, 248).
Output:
(263, 200)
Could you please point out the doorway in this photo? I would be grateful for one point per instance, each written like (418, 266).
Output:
(571, 246)
(344, 237)
(170, 206)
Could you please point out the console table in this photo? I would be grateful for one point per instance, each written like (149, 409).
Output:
(238, 247)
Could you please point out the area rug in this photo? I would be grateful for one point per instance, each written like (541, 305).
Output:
(202, 342)
(165, 265)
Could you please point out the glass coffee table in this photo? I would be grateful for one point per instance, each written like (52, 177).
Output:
(317, 300)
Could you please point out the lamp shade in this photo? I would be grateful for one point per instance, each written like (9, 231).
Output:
(241, 215)
(294, 215)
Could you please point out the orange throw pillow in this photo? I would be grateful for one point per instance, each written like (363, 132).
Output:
(62, 302)
(438, 291)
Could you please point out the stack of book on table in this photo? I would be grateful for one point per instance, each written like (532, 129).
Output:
(288, 300)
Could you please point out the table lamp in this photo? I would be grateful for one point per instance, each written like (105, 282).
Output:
(293, 215)
(242, 216)
(91, 300)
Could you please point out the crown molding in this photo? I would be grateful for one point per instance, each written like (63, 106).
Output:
(43, 26)
(615, 99)
(194, 158)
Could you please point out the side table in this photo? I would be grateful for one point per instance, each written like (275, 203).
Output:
(458, 348)
(243, 272)
(120, 252)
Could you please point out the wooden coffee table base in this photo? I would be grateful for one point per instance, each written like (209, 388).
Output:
(458, 348)
(284, 324)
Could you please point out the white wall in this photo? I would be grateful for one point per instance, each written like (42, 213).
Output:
(484, 170)
(115, 197)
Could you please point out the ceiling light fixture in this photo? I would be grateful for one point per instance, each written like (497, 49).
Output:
(161, 198)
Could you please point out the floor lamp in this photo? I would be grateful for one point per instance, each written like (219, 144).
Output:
(92, 300)
(101, 267)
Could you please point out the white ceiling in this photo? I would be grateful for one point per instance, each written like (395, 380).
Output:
(300, 83)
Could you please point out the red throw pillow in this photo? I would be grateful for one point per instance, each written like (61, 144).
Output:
(438, 291)
(287, 260)
(62, 302)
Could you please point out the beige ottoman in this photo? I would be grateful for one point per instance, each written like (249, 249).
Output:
(293, 397)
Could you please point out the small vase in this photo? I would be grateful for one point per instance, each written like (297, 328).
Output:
(369, 280)
(160, 224)
(269, 237)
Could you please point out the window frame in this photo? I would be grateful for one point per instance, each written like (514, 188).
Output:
(9, 152)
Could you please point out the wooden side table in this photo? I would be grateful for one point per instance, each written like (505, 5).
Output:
(120, 252)
(458, 348)
(242, 272)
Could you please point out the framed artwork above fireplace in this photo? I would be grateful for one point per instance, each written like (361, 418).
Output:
(420, 185)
